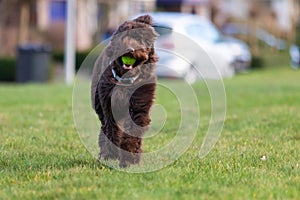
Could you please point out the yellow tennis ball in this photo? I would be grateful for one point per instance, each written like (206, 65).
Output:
(127, 60)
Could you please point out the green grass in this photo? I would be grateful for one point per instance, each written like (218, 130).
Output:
(42, 157)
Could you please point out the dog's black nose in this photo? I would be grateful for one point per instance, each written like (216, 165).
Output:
(130, 50)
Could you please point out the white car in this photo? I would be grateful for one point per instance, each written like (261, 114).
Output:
(295, 56)
(191, 47)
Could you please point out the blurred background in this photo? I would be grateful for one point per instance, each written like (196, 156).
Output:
(270, 28)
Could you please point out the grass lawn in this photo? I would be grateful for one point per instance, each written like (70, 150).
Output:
(256, 157)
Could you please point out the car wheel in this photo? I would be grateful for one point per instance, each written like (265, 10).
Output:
(231, 70)
(191, 75)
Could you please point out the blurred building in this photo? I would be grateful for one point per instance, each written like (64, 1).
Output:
(117, 11)
(169, 5)
(51, 17)
(39, 21)
(279, 16)
(43, 21)
(199, 7)
(23, 21)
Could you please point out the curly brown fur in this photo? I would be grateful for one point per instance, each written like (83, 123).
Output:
(123, 108)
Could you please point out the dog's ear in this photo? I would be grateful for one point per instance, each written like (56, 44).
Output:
(152, 56)
(123, 27)
(145, 19)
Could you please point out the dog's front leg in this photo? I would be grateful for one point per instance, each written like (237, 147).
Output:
(130, 152)
(131, 141)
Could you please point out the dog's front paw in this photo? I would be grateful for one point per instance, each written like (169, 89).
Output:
(123, 164)
(128, 158)
(108, 155)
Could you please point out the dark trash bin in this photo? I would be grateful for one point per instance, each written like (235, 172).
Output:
(33, 63)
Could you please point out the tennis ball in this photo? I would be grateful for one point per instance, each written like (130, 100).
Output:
(127, 60)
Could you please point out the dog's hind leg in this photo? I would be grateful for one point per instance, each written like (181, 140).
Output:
(103, 142)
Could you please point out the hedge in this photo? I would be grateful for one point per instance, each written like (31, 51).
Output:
(8, 65)
(7, 69)
(80, 56)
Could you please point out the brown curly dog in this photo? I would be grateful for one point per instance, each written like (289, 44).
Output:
(123, 90)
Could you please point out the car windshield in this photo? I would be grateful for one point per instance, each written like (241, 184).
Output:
(203, 32)
(162, 29)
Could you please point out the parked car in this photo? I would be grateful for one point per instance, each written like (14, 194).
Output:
(295, 56)
(241, 53)
(189, 44)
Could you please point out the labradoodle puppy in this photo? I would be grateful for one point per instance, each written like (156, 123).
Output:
(123, 90)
